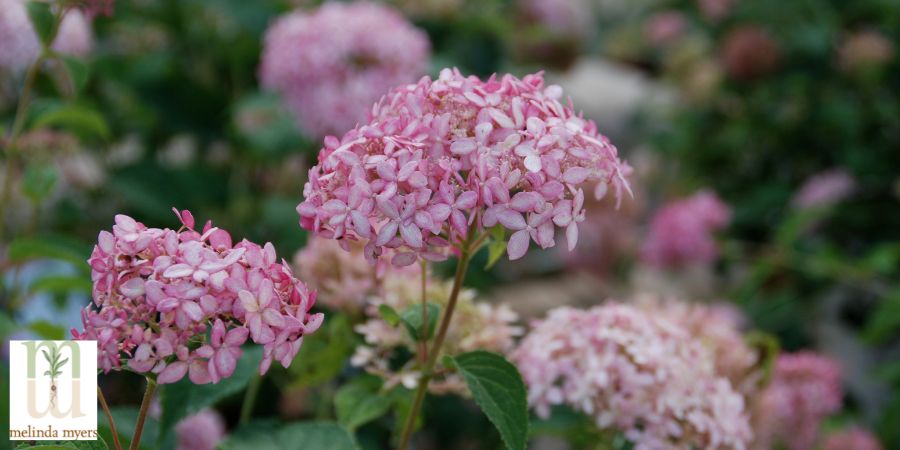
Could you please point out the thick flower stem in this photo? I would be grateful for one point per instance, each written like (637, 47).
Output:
(427, 370)
(112, 423)
(142, 416)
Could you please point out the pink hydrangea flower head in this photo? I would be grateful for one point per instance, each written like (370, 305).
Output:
(805, 389)
(333, 63)
(562, 17)
(634, 373)
(202, 431)
(476, 326)
(21, 46)
(854, 438)
(158, 293)
(681, 231)
(824, 189)
(442, 158)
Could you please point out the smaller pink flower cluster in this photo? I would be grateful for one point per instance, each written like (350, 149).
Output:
(159, 292)
(854, 438)
(21, 45)
(681, 231)
(444, 156)
(332, 64)
(824, 189)
(202, 431)
(634, 373)
(805, 389)
(561, 17)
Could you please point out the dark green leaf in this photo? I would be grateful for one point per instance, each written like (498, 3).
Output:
(61, 284)
(76, 72)
(42, 19)
(38, 181)
(360, 402)
(48, 247)
(389, 315)
(412, 319)
(498, 389)
(183, 399)
(125, 419)
(324, 353)
(305, 435)
(885, 320)
(80, 120)
(47, 330)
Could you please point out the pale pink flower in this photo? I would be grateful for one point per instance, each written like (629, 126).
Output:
(342, 278)
(202, 431)
(95, 8)
(664, 27)
(824, 189)
(681, 232)
(633, 373)
(805, 390)
(853, 438)
(333, 63)
(157, 292)
(477, 152)
(715, 10)
(21, 46)
(75, 36)
(562, 17)
(475, 326)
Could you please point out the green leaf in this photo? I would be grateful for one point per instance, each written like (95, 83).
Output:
(184, 399)
(80, 120)
(360, 402)
(61, 284)
(412, 319)
(389, 314)
(38, 181)
(99, 444)
(885, 321)
(62, 363)
(42, 19)
(76, 72)
(305, 435)
(325, 353)
(47, 330)
(46, 356)
(499, 391)
(497, 247)
(48, 247)
(125, 418)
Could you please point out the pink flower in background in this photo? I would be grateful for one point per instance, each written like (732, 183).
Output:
(562, 17)
(634, 373)
(445, 156)
(749, 52)
(824, 189)
(664, 27)
(681, 232)
(342, 278)
(854, 438)
(333, 63)
(805, 389)
(157, 292)
(95, 8)
(202, 431)
(715, 10)
(21, 46)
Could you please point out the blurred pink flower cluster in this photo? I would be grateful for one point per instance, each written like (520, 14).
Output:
(342, 278)
(853, 438)
(561, 17)
(21, 46)
(444, 156)
(824, 189)
(476, 326)
(332, 64)
(633, 372)
(95, 8)
(202, 431)
(681, 231)
(158, 292)
(805, 389)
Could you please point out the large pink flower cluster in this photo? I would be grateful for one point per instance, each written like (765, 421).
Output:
(635, 373)
(681, 231)
(805, 389)
(443, 158)
(21, 46)
(853, 438)
(332, 64)
(824, 189)
(159, 292)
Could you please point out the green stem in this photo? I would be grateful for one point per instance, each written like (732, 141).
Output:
(142, 416)
(423, 345)
(250, 398)
(112, 423)
(427, 370)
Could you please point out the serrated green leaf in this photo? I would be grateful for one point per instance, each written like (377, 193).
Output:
(360, 402)
(412, 320)
(38, 181)
(42, 19)
(183, 399)
(389, 315)
(80, 120)
(305, 435)
(499, 391)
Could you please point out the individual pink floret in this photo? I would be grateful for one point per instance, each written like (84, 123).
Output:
(442, 158)
(158, 292)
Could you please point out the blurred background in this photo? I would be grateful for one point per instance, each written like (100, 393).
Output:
(778, 119)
